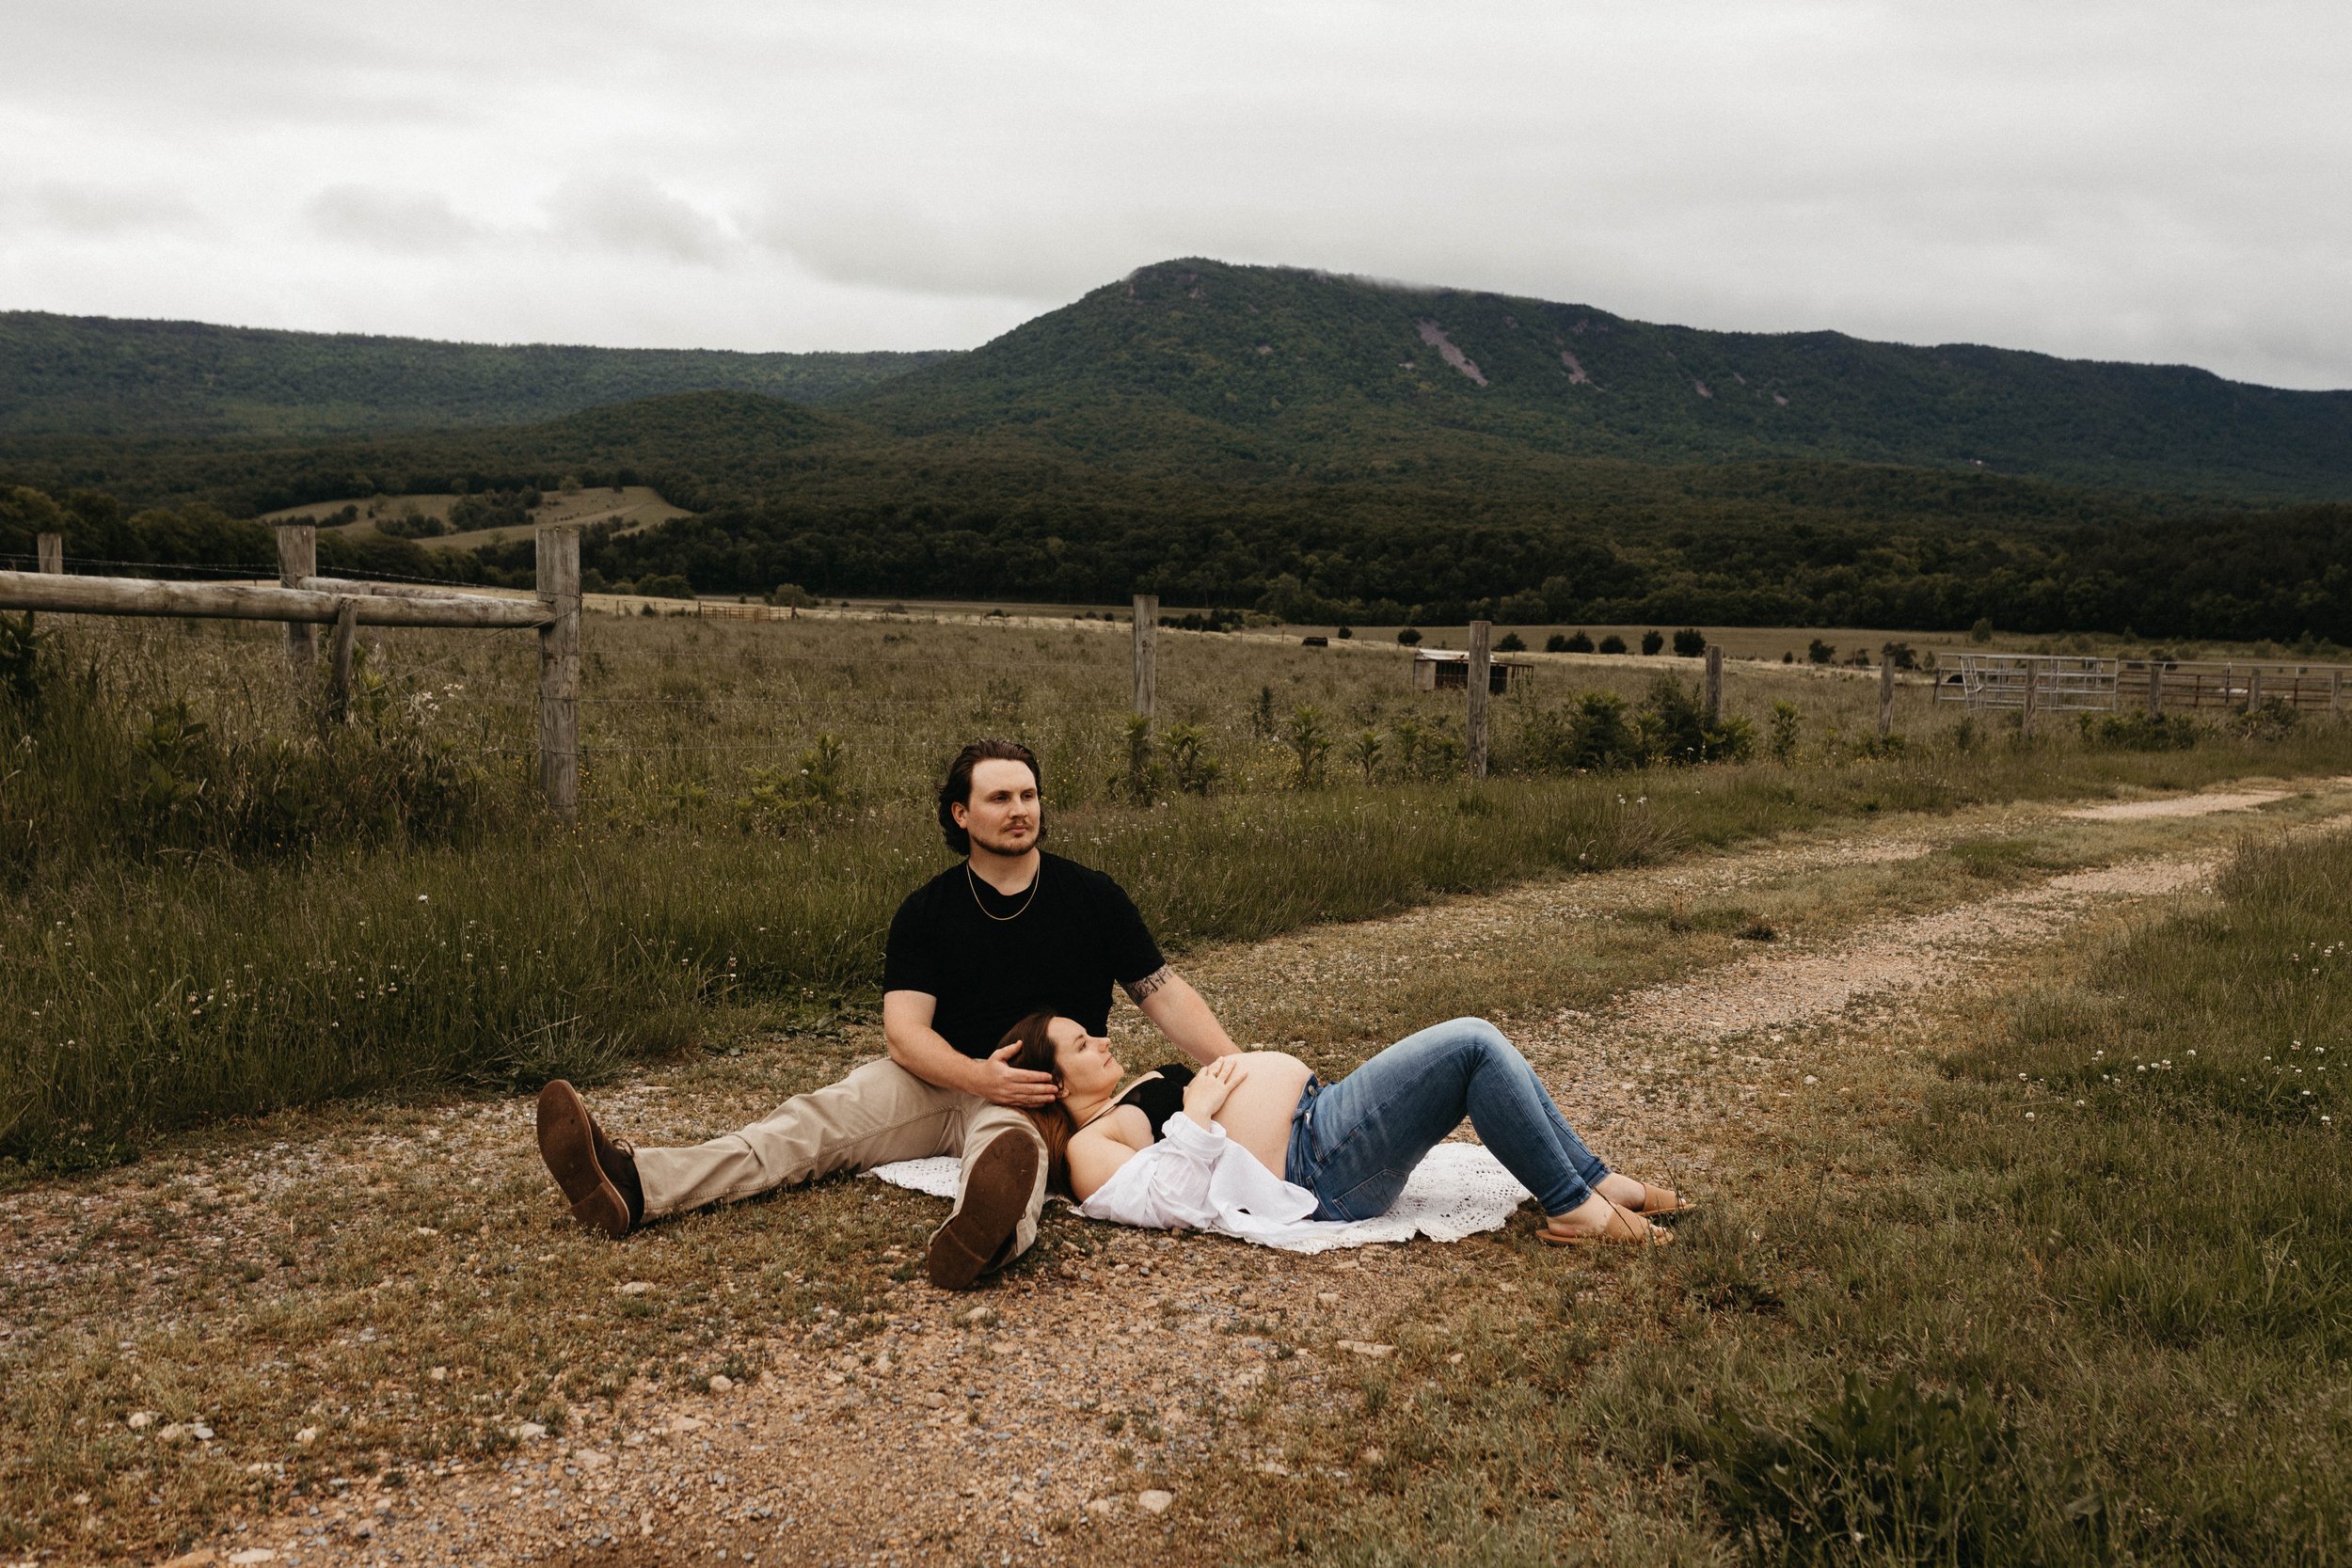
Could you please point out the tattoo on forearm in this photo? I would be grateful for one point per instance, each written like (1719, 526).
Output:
(1137, 989)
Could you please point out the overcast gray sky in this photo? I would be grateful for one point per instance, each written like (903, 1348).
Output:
(2150, 181)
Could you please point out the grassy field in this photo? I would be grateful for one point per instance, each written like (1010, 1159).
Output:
(362, 1298)
(628, 507)
(2054, 1285)
(211, 912)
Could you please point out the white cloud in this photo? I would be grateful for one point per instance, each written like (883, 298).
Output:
(2150, 182)
(99, 212)
(632, 214)
(399, 223)
(1038, 260)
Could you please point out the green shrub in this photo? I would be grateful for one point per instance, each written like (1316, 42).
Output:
(1690, 642)
(1543, 742)
(2137, 731)
(2274, 720)
(21, 667)
(1674, 728)
(1310, 745)
(491, 509)
(1261, 714)
(1613, 644)
(409, 523)
(1786, 720)
(1425, 752)
(1604, 735)
(782, 799)
(1189, 763)
(1139, 782)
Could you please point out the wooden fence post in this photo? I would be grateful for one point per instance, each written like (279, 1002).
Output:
(2155, 688)
(50, 549)
(1886, 695)
(559, 669)
(2025, 713)
(1714, 684)
(2335, 692)
(1481, 666)
(339, 651)
(2253, 689)
(298, 558)
(1147, 627)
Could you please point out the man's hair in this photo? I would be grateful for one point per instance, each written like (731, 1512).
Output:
(957, 791)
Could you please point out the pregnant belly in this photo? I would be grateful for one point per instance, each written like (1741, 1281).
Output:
(1257, 1115)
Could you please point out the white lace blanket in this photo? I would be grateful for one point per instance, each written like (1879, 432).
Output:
(1458, 1190)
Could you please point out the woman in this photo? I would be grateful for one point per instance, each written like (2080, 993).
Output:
(1254, 1142)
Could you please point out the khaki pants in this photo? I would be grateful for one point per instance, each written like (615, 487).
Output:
(880, 1113)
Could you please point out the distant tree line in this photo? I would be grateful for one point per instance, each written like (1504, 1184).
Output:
(2281, 575)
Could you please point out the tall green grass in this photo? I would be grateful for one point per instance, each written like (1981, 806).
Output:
(149, 996)
(2101, 1312)
(226, 921)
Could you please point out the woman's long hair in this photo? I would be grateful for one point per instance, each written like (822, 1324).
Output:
(1053, 1121)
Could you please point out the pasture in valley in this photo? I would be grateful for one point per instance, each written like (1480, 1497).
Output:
(626, 507)
(301, 981)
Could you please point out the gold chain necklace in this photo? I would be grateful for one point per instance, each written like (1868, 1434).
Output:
(1016, 914)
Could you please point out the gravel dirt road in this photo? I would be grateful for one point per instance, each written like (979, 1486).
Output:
(1083, 1408)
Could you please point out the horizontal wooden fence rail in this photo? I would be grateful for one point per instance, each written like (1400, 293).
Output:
(303, 600)
(237, 601)
(400, 589)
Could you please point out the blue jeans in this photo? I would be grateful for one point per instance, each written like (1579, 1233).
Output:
(1353, 1143)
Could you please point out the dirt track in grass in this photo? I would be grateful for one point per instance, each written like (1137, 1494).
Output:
(1079, 1409)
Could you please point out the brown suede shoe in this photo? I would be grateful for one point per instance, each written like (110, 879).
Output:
(598, 1176)
(978, 1236)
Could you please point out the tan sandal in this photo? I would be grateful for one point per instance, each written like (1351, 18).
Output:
(1624, 1225)
(1658, 1202)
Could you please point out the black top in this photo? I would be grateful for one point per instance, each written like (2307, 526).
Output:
(1159, 1097)
(990, 960)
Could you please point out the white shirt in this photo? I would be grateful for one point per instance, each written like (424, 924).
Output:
(1196, 1179)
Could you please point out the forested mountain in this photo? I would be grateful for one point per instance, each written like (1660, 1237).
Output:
(92, 375)
(1255, 370)
(786, 494)
(1329, 449)
(1243, 373)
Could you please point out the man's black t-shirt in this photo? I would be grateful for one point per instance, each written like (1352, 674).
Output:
(992, 961)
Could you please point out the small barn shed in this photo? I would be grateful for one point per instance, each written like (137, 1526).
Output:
(1446, 669)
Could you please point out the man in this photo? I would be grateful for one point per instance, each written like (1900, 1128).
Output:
(1006, 932)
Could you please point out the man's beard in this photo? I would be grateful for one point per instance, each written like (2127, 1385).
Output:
(1035, 839)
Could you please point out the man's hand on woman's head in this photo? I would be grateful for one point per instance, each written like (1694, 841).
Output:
(1000, 1082)
(1212, 1085)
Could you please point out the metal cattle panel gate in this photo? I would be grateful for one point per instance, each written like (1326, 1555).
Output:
(2072, 683)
